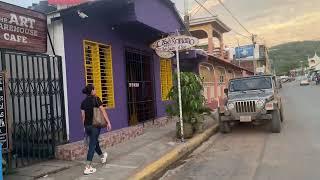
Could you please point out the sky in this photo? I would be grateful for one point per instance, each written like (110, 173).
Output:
(274, 21)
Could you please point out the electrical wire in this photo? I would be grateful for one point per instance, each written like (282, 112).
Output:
(233, 16)
(181, 14)
(241, 34)
(213, 15)
(197, 9)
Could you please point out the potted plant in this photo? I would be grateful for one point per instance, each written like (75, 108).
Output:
(192, 102)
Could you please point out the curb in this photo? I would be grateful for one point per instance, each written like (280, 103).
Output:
(158, 166)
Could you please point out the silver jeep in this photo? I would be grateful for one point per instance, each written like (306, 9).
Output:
(252, 99)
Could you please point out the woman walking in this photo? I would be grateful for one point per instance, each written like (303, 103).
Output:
(87, 114)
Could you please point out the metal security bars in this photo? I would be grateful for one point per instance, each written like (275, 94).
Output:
(98, 67)
(35, 105)
(165, 78)
(140, 86)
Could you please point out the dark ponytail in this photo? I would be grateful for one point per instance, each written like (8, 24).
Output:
(88, 89)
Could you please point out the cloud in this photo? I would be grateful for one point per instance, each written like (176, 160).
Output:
(299, 28)
(276, 21)
(301, 21)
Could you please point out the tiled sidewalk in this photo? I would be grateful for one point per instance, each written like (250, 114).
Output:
(124, 159)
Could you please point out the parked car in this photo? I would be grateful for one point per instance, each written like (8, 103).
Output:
(252, 99)
(304, 81)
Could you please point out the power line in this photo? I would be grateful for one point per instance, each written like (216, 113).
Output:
(205, 8)
(234, 16)
(197, 9)
(180, 12)
(241, 34)
(213, 15)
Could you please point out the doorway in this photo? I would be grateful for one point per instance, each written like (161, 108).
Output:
(140, 86)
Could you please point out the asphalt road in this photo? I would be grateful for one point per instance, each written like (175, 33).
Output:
(252, 153)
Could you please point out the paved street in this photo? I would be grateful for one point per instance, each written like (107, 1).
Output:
(255, 154)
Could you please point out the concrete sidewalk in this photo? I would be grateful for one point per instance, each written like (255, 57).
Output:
(124, 159)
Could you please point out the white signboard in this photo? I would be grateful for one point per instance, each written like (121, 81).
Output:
(173, 43)
(165, 54)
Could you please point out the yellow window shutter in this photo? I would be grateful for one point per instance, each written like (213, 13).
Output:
(170, 80)
(99, 72)
(165, 78)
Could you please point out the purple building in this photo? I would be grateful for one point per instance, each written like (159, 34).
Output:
(106, 43)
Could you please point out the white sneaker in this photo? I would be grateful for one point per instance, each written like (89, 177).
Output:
(89, 170)
(104, 158)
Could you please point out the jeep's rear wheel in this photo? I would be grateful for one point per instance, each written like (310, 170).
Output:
(276, 121)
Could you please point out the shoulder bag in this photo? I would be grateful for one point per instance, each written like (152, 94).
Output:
(98, 119)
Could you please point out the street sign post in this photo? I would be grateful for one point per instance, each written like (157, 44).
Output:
(165, 48)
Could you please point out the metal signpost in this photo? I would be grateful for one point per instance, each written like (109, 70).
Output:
(165, 48)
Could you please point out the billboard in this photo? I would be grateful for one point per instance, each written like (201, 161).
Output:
(247, 52)
(22, 29)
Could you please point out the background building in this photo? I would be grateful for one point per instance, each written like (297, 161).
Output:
(314, 62)
(211, 60)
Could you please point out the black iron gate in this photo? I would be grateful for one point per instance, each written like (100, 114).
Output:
(140, 86)
(35, 105)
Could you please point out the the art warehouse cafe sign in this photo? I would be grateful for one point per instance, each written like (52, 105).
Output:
(22, 29)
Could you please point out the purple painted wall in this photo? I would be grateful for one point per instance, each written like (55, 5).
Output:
(95, 28)
(157, 14)
(75, 31)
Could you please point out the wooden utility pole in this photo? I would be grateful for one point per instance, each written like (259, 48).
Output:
(186, 14)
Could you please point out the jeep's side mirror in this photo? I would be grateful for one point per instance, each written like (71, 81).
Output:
(226, 91)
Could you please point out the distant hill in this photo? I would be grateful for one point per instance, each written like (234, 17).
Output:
(288, 56)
